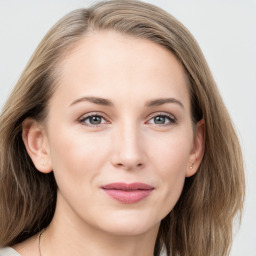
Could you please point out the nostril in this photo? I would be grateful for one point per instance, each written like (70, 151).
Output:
(129, 166)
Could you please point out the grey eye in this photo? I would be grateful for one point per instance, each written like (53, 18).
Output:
(95, 120)
(160, 119)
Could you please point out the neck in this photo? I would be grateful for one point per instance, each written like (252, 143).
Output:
(68, 236)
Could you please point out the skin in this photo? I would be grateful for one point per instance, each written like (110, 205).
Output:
(132, 142)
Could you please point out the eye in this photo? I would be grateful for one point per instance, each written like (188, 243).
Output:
(93, 120)
(162, 119)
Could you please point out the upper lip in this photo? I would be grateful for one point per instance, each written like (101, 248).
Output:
(128, 187)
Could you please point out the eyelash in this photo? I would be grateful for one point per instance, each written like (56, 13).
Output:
(171, 118)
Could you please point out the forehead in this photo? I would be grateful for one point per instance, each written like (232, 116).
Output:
(109, 64)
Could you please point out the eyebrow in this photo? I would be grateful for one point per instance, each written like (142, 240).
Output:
(159, 102)
(106, 102)
(95, 100)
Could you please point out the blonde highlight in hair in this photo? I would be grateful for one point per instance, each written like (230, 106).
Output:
(201, 222)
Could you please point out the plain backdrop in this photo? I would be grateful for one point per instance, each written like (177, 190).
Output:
(226, 32)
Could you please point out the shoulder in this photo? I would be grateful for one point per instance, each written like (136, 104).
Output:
(8, 251)
(28, 247)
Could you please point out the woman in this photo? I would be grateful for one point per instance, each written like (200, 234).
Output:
(115, 141)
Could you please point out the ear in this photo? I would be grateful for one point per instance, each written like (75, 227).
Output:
(36, 143)
(197, 151)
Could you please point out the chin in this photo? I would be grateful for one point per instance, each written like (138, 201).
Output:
(130, 230)
(128, 224)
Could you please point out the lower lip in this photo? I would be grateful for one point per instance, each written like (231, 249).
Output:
(128, 196)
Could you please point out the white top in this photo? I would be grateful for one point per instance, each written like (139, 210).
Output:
(8, 251)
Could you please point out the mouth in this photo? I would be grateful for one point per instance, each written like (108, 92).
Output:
(128, 193)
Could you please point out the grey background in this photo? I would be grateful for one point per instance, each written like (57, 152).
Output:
(226, 32)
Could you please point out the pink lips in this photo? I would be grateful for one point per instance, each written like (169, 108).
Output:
(128, 193)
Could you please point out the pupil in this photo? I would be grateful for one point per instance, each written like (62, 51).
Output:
(160, 120)
(95, 120)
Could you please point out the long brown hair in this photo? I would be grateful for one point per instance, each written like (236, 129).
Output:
(201, 222)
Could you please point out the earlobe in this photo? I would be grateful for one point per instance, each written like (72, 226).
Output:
(197, 152)
(36, 144)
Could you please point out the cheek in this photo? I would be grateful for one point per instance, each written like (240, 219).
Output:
(171, 157)
(171, 152)
(76, 160)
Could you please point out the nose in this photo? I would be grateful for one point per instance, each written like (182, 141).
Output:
(128, 148)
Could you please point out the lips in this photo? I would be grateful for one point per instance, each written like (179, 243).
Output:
(128, 193)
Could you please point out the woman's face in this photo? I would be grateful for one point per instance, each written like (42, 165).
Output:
(119, 133)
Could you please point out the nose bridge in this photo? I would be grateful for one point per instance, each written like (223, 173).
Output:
(128, 145)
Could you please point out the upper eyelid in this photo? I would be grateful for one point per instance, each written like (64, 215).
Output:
(93, 114)
(162, 114)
